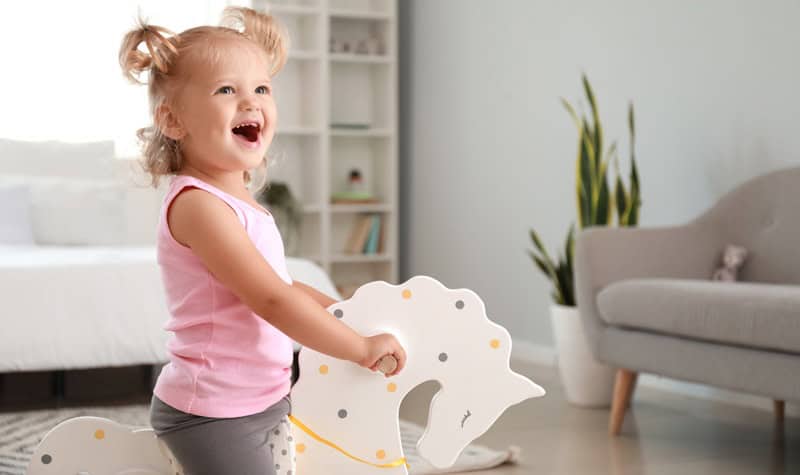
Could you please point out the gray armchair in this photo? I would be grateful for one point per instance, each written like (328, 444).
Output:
(648, 305)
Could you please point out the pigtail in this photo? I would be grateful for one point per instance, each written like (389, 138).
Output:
(262, 29)
(161, 51)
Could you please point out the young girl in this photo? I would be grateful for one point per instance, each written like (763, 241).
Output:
(234, 308)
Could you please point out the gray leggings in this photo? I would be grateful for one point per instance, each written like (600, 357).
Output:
(260, 444)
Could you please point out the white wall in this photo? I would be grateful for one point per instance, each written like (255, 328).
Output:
(487, 151)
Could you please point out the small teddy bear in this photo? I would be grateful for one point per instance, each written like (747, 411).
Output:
(732, 261)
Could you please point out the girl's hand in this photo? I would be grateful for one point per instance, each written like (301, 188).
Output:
(379, 346)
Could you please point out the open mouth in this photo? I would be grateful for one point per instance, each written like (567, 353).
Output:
(248, 131)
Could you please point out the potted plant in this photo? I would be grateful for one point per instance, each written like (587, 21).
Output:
(586, 381)
(287, 211)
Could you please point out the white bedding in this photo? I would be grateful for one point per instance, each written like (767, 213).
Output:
(85, 307)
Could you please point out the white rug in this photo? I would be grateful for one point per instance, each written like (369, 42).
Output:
(20, 433)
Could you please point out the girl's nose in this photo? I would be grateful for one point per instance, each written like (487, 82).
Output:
(248, 104)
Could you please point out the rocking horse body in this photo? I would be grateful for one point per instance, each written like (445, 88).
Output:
(345, 419)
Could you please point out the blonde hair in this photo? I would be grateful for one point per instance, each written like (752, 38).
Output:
(165, 62)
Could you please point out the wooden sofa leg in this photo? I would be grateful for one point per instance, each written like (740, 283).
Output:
(623, 389)
(632, 390)
(779, 410)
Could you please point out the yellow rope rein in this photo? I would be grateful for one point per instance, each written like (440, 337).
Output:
(314, 435)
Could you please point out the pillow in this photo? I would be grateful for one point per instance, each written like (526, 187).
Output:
(52, 158)
(15, 217)
(68, 211)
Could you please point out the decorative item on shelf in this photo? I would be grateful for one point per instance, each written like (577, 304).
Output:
(287, 211)
(350, 125)
(372, 46)
(366, 236)
(356, 192)
(344, 47)
(376, 46)
(587, 382)
(362, 47)
(355, 182)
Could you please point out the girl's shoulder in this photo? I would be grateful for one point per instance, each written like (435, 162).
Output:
(191, 205)
(204, 195)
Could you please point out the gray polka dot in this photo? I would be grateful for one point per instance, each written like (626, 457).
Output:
(460, 304)
(283, 452)
(338, 313)
(277, 432)
(342, 413)
(290, 438)
(46, 459)
(442, 357)
(272, 446)
(277, 466)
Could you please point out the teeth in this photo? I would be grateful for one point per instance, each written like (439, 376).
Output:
(254, 124)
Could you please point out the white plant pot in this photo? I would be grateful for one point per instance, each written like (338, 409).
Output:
(586, 381)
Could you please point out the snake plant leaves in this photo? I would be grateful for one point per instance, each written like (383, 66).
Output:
(597, 202)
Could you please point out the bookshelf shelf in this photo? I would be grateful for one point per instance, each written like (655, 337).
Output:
(367, 133)
(360, 58)
(340, 114)
(351, 258)
(288, 131)
(366, 208)
(360, 15)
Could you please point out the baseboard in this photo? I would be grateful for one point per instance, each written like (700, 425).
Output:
(529, 352)
(702, 391)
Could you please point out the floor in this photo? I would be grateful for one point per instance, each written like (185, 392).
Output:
(664, 433)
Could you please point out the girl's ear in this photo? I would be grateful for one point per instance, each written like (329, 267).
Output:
(169, 124)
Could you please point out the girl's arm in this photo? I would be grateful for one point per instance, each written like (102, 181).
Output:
(209, 227)
(318, 296)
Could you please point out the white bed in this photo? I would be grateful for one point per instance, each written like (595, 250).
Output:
(70, 307)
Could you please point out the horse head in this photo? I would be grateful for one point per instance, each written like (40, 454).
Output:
(465, 408)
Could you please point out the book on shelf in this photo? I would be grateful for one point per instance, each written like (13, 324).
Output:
(371, 246)
(381, 239)
(366, 236)
(359, 235)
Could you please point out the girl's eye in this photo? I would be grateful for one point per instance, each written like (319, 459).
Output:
(263, 90)
(225, 90)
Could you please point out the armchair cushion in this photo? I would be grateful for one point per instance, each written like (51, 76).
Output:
(765, 316)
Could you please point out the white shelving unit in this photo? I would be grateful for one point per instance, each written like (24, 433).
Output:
(337, 110)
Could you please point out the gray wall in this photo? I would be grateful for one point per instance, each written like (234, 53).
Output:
(487, 151)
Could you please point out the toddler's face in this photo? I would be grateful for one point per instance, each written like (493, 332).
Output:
(227, 110)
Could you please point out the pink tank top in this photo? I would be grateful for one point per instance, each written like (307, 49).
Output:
(225, 360)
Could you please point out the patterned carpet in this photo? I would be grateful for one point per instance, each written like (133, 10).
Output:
(21, 432)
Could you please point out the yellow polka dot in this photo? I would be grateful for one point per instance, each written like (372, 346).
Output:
(406, 294)
(301, 448)
(323, 369)
(495, 344)
(380, 454)
(99, 434)
(391, 387)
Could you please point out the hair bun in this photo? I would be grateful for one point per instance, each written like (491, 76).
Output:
(262, 29)
(161, 49)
